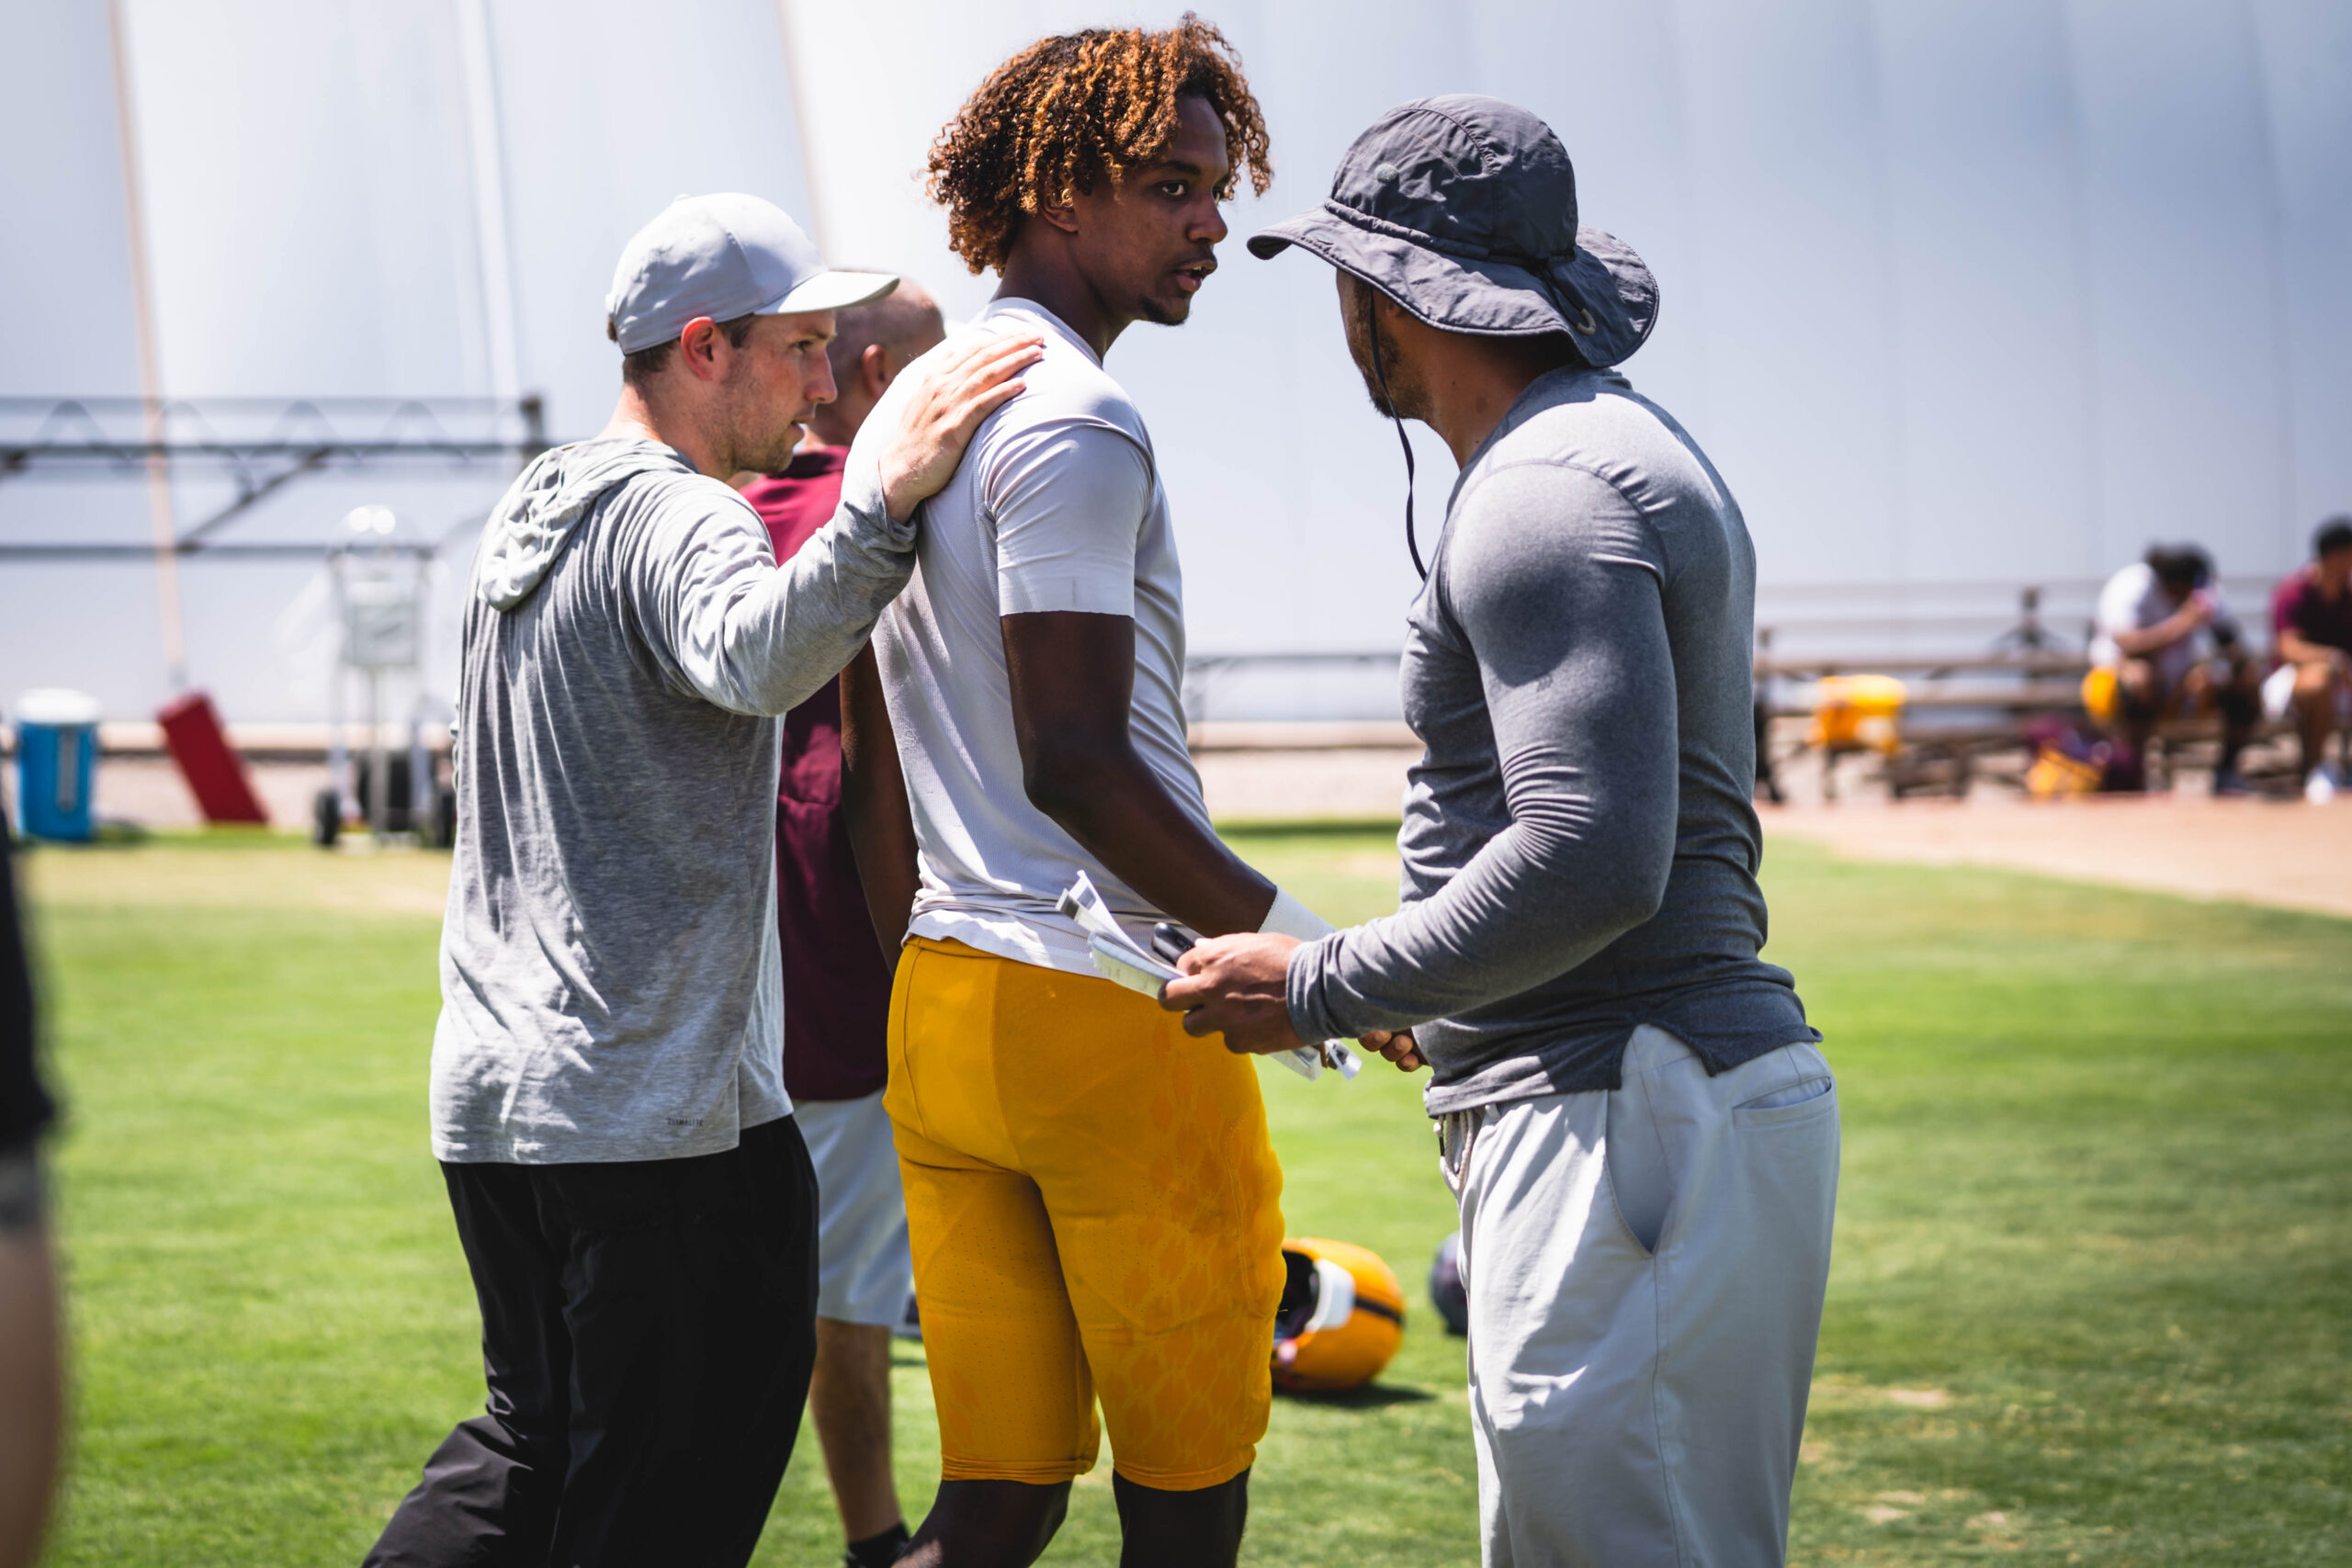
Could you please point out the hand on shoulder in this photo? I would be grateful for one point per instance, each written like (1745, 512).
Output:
(966, 383)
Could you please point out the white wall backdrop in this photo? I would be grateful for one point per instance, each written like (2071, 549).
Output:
(1994, 291)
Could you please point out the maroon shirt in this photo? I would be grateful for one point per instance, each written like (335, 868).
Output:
(2298, 605)
(836, 987)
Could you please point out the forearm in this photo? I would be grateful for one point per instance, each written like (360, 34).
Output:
(1115, 806)
(1546, 894)
(1072, 679)
(2140, 644)
(800, 625)
(874, 804)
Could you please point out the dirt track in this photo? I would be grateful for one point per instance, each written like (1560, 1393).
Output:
(2266, 853)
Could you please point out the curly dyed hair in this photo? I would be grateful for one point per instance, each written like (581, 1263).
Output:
(1066, 111)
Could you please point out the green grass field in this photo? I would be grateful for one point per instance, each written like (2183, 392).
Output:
(2089, 1305)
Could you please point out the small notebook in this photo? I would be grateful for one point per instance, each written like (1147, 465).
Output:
(1117, 958)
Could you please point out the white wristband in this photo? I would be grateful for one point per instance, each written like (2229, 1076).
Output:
(1290, 917)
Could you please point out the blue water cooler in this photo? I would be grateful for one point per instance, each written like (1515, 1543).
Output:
(57, 764)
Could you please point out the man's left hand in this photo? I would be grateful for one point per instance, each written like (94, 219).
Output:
(1240, 986)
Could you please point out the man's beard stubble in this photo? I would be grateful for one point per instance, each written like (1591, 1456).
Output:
(1401, 399)
(780, 450)
(759, 445)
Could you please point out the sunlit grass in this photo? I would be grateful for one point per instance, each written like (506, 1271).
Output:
(2087, 1306)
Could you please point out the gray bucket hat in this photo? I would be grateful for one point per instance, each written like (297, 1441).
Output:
(1463, 210)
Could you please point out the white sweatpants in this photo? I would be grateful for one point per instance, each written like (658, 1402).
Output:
(1646, 1267)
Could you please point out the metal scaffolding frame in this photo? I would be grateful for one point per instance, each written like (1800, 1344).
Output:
(261, 445)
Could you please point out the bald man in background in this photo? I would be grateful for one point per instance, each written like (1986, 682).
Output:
(837, 982)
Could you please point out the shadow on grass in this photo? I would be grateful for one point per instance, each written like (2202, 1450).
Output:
(1368, 1396)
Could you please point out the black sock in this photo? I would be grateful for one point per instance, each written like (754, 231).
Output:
(877, 1551)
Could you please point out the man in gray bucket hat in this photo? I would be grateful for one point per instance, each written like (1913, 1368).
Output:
(1633, 1114)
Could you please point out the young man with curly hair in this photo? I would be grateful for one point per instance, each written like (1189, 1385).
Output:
(1092, 1200)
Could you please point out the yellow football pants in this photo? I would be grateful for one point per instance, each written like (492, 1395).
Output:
(1094, 1209)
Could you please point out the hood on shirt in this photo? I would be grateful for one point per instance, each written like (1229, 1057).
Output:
(529, 527)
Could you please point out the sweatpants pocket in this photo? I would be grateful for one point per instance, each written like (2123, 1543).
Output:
(1791, 1094)
(1801, 1087)
(1806, 1101)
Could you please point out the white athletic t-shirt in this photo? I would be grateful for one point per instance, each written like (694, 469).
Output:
(2133, 601)
(1057, 506)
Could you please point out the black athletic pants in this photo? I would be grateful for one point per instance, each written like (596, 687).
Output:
(648, 1331)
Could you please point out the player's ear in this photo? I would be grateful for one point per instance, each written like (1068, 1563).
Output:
(875, 370)
(1063, 214)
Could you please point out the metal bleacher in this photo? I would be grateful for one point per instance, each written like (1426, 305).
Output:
(1980, 663)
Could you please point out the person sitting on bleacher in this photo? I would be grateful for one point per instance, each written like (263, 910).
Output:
(2311, 641)
(2165, 646)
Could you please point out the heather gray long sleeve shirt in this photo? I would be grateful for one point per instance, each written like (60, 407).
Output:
(610, 983)
(1579, 850)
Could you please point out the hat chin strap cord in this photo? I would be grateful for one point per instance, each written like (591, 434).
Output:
(1380, 374)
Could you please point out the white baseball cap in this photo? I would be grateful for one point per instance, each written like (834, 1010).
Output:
(724, 256)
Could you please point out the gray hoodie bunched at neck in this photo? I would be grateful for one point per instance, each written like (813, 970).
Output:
(609, 977)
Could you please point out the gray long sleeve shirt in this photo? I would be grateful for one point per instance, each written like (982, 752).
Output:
(1579, 850)
(610, 983)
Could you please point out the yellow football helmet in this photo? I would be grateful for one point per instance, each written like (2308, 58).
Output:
(1342, 1316)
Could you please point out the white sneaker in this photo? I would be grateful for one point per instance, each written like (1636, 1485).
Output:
(2321, 787)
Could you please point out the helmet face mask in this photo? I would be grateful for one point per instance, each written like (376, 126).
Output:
(1449, 1293)
(1341, 1319)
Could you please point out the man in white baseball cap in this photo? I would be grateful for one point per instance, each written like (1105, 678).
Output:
(633, 1197)
(726, 257)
